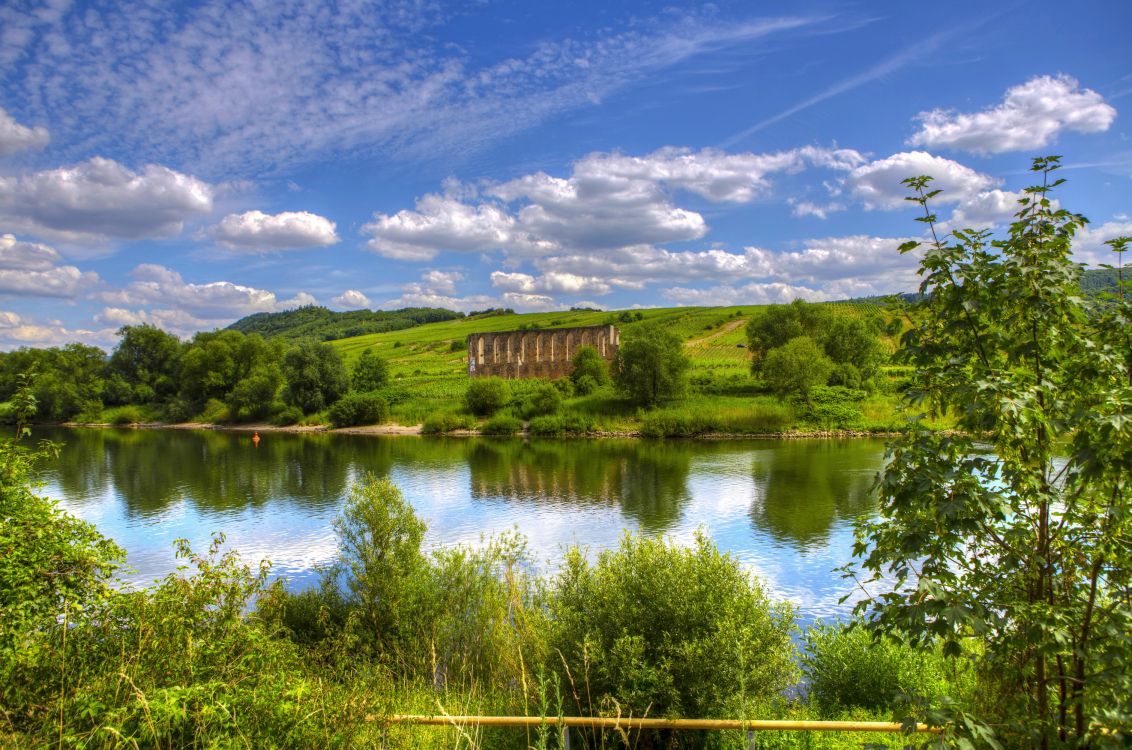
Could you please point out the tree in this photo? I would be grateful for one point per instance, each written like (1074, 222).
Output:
(651, 366)
(314, 376)
(796, 367)
(370, 372)
(589, 370)
(779, 323)
(1011, 536)
(146, 361)
(485, 396)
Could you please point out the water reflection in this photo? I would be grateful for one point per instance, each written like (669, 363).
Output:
(783, 507)
(804, 486)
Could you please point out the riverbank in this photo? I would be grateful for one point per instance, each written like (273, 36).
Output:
(416, 430)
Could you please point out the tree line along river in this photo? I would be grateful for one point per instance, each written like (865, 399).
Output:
(784, 508)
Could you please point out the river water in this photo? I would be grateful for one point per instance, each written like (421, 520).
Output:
(784, 508)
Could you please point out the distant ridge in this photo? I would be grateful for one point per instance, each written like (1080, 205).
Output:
(326, 325)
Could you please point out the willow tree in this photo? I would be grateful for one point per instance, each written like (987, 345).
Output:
(1011, 539)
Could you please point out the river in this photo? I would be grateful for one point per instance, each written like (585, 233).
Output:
(784, 508)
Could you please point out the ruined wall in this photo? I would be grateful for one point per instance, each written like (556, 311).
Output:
(536, 353)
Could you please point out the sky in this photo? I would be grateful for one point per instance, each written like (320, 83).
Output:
(187, 164)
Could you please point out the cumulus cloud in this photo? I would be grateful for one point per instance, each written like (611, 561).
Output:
(351, 299)
(191, 306)
(755, 293)
(29, 269)
(17, 331)
(99, 199)
(1089, 245)
(437, 289)
(259, 232)
(879, 184)
(1030, 116)
(984, 210)
(553, 282)
(608, 201)
(440, 223)
(15, 137)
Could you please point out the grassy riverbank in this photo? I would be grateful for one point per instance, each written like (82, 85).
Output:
(211, 657)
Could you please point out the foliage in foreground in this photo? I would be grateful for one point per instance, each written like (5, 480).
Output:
(1012, 538)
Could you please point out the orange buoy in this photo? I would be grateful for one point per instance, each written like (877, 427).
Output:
(255, 439)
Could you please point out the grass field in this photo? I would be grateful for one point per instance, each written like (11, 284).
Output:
(428, 367)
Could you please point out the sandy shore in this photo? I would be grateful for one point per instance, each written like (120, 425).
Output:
(415, 430)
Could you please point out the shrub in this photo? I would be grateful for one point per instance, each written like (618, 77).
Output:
(665, 630)
(288, 416)
(588, 363)
(358, 408)
(543, 400)
(126, 415)
(796, 367)
(370, 372)
(215, 411)
(556, 425)
(439, 423)
(485, 396)
(846, 668)
(501, 425)
(586, 385)
(833, 406)
(457, 346)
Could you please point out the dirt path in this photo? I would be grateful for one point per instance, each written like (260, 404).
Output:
(728, 327)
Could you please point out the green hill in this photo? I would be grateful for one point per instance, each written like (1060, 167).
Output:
(327, 325)
(428, 365)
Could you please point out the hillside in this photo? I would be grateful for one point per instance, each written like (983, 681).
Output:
(327, 325)
(428, 363)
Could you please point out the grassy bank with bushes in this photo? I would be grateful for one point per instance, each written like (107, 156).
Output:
(211, 656)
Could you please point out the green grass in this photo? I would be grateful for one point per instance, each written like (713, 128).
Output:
(428, 369)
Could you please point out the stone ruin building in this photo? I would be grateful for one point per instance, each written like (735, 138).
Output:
(536, 353)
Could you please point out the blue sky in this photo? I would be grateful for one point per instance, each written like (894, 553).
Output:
(189, 164)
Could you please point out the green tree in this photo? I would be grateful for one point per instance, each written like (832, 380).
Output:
(651, 366)
(146, 361)
(665, 630)
(370, 373)
(796, 367)
(777, 324)
(589, 370)
(314, 376)
(1012, 535)
(485, 396)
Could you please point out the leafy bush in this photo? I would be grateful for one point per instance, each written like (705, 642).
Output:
(370, 372)
(485, 396)
(832, 406)
(215, 411)
(501, 425)
(588, 363)
(288, 416)
(439, 423)
(796, 367)
(668, 630)
(556, 425)
(651, 366)
(124, 415)
(845, 668)
(543, 400)
(358, 408)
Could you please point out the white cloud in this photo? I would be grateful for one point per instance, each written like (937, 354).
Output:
(15, 137)
(351, 299)
(17, 331)
(211, 302)
(440, 223)
(807, 208)
(756, 293)
(437, 289)
(553, 282)
(879, 184)
(29, 269)
(608, 201)
(984, 210)
(246, 85)
(260, 232)
(1089, 244)
(1030, 116)
(100, 199)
